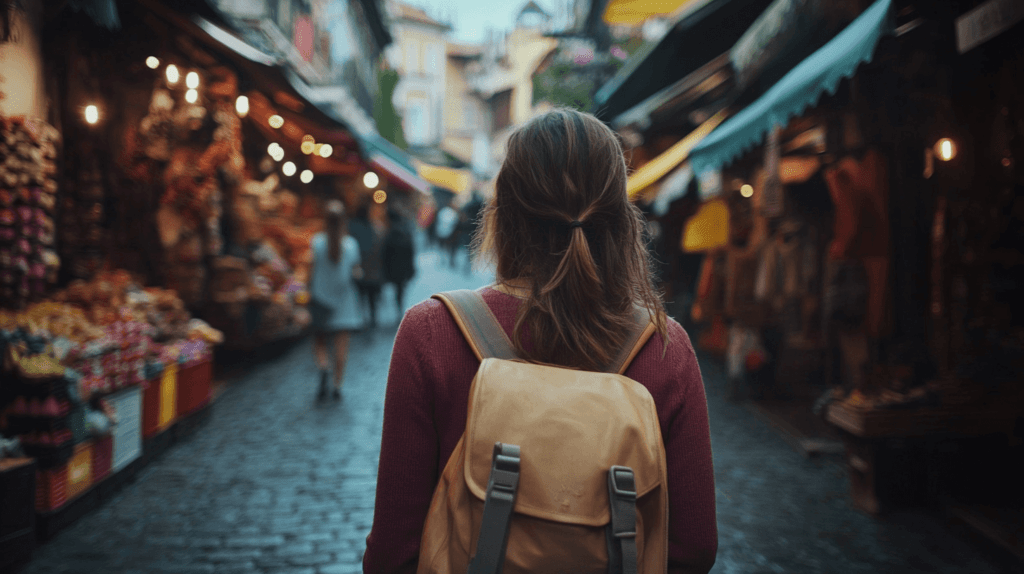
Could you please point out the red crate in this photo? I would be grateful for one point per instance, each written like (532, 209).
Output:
(51, 488)
(102, 458)
(194, 383)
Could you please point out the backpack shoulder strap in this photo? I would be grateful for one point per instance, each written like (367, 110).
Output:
(478, 324)
(642, 330)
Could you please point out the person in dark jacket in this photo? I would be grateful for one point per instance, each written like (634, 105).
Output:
(370, 241)
(399, 257)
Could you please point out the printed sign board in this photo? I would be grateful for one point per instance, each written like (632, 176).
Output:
(986, 22)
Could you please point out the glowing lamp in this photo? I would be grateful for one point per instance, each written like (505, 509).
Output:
(172, 74)
(153, 62)
(306, 176)
(370, 179)
(275, 121)
(945, 149)
(747, 190)
(288, 168)
(242, 105)
(92, 114)
(326, 150)
(192, 80)
(380, 196)
(307, 147)
(191, 96)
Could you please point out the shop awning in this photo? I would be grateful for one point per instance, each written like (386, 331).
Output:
(634, 12)
(704, 33)
(658, 167)
(394, 162)
(798, 89)
(456, 180)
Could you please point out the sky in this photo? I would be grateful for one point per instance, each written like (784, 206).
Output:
(472, 18)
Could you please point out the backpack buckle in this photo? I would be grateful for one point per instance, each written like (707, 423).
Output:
(622, 482)
(505, 469)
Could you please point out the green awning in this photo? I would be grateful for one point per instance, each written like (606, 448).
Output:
(799, 88)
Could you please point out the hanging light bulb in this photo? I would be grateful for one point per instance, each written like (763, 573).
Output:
(307, 147)
(278, 154)
(92, 114)
(380, 196)
(308, 138)
(192, 80)
(370, 180)
(747, 190)
(945, 149)
(242, 106)
(191, 96)
(326, 150)
(288, 168)
(172, 74)
(153, 62)
(275, 121)
(306, 176)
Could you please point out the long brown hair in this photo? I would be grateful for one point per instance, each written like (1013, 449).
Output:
(335, 226)
(561, 224)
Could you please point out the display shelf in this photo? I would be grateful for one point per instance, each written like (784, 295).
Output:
(965, 420)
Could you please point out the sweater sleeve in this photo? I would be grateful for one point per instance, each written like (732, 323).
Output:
(407, 469)
(693, 527)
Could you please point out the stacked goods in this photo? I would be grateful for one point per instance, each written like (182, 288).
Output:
(28, 189)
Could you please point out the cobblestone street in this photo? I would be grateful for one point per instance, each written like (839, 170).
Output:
(277, 483)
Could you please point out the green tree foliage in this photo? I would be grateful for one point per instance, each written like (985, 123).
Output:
(389, 123)
(573, 82)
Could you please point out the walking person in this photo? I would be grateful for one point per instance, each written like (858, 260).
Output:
(399, 257)
(333, 295)
(369, 237)
(466, 228)
(573, 276)
(447, 221)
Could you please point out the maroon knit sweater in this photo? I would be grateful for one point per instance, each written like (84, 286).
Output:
(425, 406)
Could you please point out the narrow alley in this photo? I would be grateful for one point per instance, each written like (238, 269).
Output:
(276, 483)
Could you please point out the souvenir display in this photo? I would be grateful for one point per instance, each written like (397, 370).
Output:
(28, 262)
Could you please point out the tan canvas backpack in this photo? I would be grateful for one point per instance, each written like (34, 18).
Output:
(558, 471)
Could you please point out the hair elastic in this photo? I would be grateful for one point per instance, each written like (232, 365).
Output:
(575, 223)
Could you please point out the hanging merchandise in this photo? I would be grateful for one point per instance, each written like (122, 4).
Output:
(28, 189)
(708, 229)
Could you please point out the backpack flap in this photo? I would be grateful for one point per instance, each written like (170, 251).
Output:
(567, 424)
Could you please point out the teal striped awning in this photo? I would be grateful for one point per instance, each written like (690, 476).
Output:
(800, 88)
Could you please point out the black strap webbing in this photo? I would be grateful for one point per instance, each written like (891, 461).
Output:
(501, 498)
(621, 532)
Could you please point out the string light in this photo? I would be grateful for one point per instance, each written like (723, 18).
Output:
(191, 96)
(307, 147)
(153, 62)
(326, 150)
(275, 121)
(308, 138)
(306, 176)
(288, 168)
(747, 190)
(92, 114)
(242, 106)
(273, 147)
(192, 80)
(380, 196)
(370, 180)
(172, 74)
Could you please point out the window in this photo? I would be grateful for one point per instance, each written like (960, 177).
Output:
(416, 119)
(501, 107)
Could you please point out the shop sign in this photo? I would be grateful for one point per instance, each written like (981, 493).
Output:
(986, 22)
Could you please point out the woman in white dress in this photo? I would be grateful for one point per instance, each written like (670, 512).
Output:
(334, 303)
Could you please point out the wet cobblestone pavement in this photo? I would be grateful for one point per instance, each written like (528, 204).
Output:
(277, 483)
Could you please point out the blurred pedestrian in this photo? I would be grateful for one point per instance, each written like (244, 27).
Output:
(447, 221)
(399, 257)
(370, 237)
(572, 269)
(334, 304)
